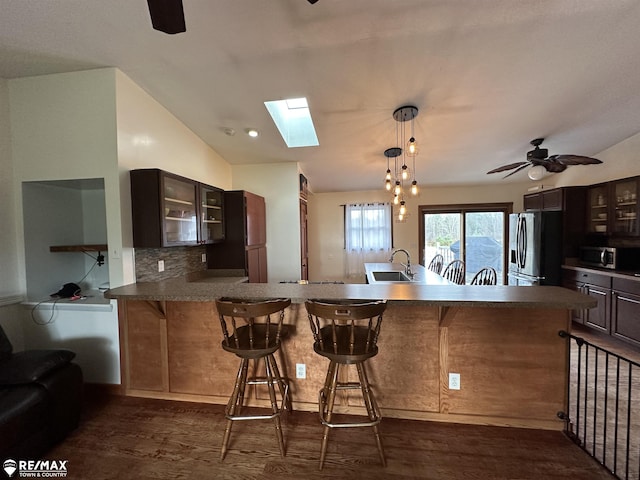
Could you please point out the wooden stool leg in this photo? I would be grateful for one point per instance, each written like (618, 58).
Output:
(283, 385)
(370, 403)
(232, 405)
(331, 384)
(274, 403)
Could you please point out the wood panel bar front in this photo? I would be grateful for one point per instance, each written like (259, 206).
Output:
(511, 361)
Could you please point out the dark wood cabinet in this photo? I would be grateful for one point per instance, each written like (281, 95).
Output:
(625, 310)
(624, 211)
(169, 210)
(613, 208)
(545, 200)
(244, 247)
(211, 202)
(597, 286)
(569, 200)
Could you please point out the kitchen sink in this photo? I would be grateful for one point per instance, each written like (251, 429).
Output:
(390, 276)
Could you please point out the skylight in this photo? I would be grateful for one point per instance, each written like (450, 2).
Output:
(293, 119)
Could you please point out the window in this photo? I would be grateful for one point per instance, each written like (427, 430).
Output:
(475, 234)
(367, 235)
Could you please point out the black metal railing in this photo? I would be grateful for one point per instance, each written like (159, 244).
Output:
(603, 406)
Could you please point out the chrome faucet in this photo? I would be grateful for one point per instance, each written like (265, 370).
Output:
(408, 265)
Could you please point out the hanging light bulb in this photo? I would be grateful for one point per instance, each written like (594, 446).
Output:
(387, 185)
(400, 217)
(401, 173)
(405, 171)
(412, 146)
(403, 208)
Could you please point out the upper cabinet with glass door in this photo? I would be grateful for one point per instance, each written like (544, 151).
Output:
(625, 212)
(598, 209)
(180, 216)
(211, 214)
(165, 209)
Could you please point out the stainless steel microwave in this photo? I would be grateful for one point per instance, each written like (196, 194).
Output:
(613, 258)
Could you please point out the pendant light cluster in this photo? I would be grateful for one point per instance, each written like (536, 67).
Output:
(402, 176)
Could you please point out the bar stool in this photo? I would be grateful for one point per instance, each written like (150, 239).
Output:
(251, 333)
(346, 334)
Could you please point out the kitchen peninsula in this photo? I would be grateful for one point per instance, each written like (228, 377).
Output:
(502, 340)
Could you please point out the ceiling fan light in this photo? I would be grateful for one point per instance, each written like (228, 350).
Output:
(536, 172)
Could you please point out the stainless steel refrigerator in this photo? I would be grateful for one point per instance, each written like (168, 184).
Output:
(535, 248)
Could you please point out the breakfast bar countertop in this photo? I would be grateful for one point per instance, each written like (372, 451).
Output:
(421, 275)
(500, 296)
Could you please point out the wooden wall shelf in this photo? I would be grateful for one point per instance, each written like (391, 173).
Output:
(78, 248)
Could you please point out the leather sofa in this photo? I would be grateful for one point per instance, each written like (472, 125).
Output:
(40, 399)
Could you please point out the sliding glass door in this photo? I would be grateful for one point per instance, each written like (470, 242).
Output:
(475, 234)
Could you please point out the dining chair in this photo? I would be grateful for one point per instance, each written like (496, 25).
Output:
(435, 265)
(486, 276)
(454, 272)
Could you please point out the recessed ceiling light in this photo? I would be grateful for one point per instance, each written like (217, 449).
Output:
(293, 119)
(252, 132)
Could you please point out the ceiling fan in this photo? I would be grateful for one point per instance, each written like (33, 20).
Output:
(168, 15)
(539, 156)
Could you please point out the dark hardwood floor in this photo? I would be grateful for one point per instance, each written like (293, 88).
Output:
(125, 437)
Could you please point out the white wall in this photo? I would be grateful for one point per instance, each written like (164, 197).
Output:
(95, 124)
(279, 185)
(11, 289)
(620, 161)
(326, 220)
(149, 136)
(63, 127)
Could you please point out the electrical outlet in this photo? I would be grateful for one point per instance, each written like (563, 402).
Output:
(301, 370)
(454, 381)
(204, 258)
(160, 265)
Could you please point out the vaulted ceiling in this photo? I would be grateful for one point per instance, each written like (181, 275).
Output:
(487, 76)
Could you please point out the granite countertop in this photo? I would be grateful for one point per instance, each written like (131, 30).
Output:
(421, 275)
(627, 275)
(500, 296)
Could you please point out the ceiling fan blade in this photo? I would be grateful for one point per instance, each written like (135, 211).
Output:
(553, 166)
(507, 167)
(167, 16)
(574, 160)
(524, 165)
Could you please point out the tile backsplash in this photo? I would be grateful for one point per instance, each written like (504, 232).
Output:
(178, 261)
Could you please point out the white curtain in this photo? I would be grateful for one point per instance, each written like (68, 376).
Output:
(368, 236)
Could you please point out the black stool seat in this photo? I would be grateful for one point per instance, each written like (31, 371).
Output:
(347, 334)
(252, 330)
